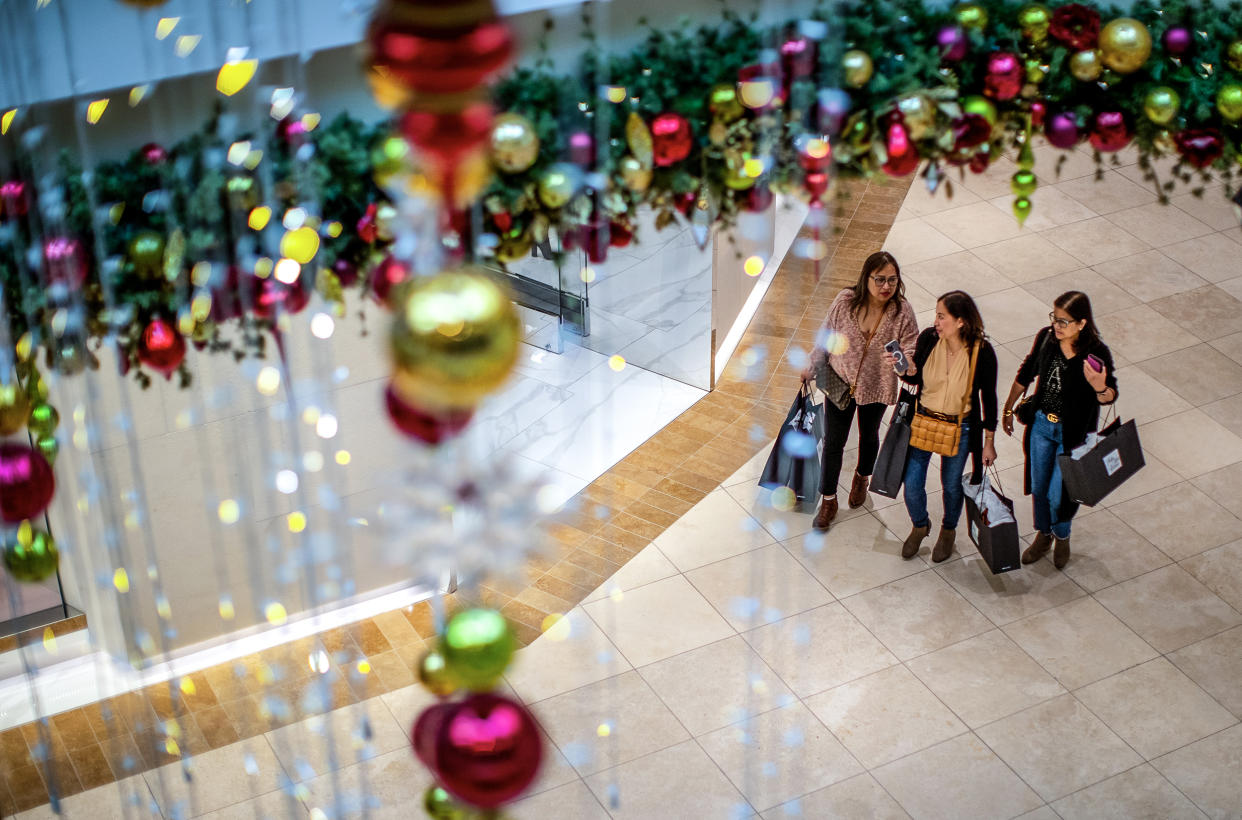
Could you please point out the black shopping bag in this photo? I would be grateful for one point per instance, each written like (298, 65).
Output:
(997, 540)
(1113, 459)
(794, 462)
(890, 464)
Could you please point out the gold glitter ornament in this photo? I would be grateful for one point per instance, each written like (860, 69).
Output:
(1086, 66)
(1034, 21)
(514, 144)
(1125, 45)
(918, 114)
(858, 68)
(634, 175)
(1161, 104)
(14, 408)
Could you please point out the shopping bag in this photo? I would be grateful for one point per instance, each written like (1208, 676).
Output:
(890, 464)
(795, 458)
(1090, 475)
(992, 524)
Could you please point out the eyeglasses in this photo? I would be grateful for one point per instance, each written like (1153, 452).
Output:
(885, 281)
(1061, 323)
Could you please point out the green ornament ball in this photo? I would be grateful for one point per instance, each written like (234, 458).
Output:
(43, 420)
(1229, 101)
(1233, 55)
(32, 558)
(440, 805)
(971, 16)
(980, 106)
(49, 446)
(477, 646)
(1035, 20)
(1161, 105)
(1023, 183)
(1021, 209)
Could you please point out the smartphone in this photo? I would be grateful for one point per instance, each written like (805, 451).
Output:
(901, 365)
(1096, 364)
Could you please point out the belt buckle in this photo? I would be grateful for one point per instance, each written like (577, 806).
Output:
(1053, 417)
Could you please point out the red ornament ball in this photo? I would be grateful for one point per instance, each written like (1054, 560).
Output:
(619, 235)
(798, 58)
(1200, 146)
(1004, 76)
(153, 154)
(1038, 112)
(273, 296)
(429, 428)
(1109, 131)
(1062, 130)
(671, 138)
(582, 149)
(440, 64)
(759, 198)
(346, 272)
(487, 750)
(13, 200)
(816, 185)
(64, 261)
(387, 275)
(161, 347)
(903, 157)
(447, 138)
(26, 482)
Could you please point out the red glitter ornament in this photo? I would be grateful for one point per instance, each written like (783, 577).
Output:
(671, 138)
(487, 750)
(1109, 131)
(153, 154)
(13, 199)
(435, 63)
(64, 261)
(903, 157)
(1004, 76)
(161, 347)
(427, 427)
(387, 275)
(273, 296)
(26, 482)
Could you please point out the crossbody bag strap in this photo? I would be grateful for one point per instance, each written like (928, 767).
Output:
(862, 359)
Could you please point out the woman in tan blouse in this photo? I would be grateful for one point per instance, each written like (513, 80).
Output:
(861, 320)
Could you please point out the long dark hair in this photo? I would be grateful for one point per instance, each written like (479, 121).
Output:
(1078, 306)
(960, 306)
(877, 261)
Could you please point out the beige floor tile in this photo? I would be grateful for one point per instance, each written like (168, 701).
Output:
(1216, 665)
(860, 796)
(1159, 224)
(405, 704)
(1208, 312)
(1052, 207)
(558, 662)
(782, 524)
(130, 798)
(1055, 165)
(1027, 258)
(659, 620)
(1141, 333)
(1224, 486)
(857, 554)
(1058, 747)
(573, 801)
(921, 202)
(1105, 196)
(957, 271)
(220, 777)
(1207, 772)
(779, 755)
(750, 472)
(1149, 276)
(1155, 708)
(1181, 520)
(340, 738)
(914, 240)
(1106, 297)
(1164, 174)
(717, 527)
(278, 805)
(1191, 443)
(1143, 398)
(1006, 597)
(1041, 813)
(884, 716)
(985, 678)
(1095, 241)
(1199, 374)
(655, 786)
(916, 615)
(1212, 208)
(1142, 792)
(1079, 642)
(1220, 570)
(1012, 314)
(760, 587)
(1227, 413)
(383, 788)
(1107, 551)
(959, 779)
(993, 182)
(648, 566)
(1169, 608)
(638, 723)
(1233, 287)
(1212, 257)
(740, 685)
(819, 649)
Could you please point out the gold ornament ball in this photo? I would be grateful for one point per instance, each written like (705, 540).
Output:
(1164, 142)
(32, 556)
(433, 674)
(724, 103)
(1233, 55)
(1036, 71)
(1023, 183)
(386, 221)
(557, 184)
(1086, 66)
(735, 176)
(919, 115)
(971, 16)
(858, 68)
(454, 339)
(391, 161)
(14, 408)
(1034, 21)
(1125, 45)
(1161, 105)
(979, 106)
(514, 144)
(514, 247)
(146, 251)
(1229, 101)
(634, 175)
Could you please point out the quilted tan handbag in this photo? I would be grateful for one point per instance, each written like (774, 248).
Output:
(939, 433)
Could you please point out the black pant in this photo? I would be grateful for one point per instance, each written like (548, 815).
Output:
(837, 430)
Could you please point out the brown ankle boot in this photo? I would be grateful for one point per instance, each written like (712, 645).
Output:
(1060, 553)
(944, 545)
(858, 491)
(1037, 549)
(827, 512)
(914, 541)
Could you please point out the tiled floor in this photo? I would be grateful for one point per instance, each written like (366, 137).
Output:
(744, 667)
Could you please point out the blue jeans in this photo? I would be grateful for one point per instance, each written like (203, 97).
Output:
(951, 469)
(1046, 476)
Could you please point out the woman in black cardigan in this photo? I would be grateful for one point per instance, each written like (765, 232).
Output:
(1065, 408)
(940, 376)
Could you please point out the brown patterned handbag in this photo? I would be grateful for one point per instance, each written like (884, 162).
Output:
(937, 432)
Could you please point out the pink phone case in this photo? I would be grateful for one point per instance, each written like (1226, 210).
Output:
(1096, 364)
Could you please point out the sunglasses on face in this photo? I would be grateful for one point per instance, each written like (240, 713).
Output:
(1061, 323)
(885, 281)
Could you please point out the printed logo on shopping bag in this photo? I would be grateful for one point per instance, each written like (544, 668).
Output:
(1112, 462)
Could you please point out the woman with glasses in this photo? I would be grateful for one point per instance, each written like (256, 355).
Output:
(861, 320)
(1075, 372)
(955, 383)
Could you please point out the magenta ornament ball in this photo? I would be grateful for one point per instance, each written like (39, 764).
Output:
(1062, 130)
